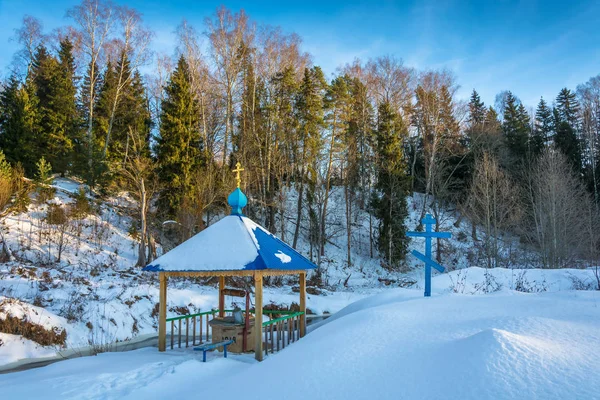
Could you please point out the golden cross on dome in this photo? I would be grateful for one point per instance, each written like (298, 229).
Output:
(237, 170)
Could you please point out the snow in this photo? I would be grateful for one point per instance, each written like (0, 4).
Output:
(233, 243)
(283, 257)
(15, 347)
(397, 344)
(96, 281)
(225, 245)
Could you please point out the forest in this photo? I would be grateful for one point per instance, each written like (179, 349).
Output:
(93, 101)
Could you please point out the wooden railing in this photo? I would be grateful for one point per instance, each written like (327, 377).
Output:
(277, 331)
(176, 325)
(280, 330)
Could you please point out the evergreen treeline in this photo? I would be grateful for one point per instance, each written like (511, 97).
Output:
(377, 130)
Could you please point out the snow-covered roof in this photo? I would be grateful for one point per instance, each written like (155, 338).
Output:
(234, 243)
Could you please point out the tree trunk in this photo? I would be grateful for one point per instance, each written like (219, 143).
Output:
(142, 247)
(348, 224)
(325, 201)
(299, 211)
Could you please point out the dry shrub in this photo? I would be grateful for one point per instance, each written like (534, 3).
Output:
(47, 278)
(56, 215)
(6, 181)
(21, 188)
(155, 310)
(81, 207)
(5, 191)
(180, 310)
(29, 330)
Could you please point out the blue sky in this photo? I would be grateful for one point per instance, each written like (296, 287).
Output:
(531, 48)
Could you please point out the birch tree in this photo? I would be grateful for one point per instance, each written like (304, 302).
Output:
(132, 49)
(94, 20)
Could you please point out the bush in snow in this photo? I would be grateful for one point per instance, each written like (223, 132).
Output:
(43, 179)
(81, 207)
(29, 330)
(6, 181)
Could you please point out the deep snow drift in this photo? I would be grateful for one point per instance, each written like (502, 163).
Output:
(396, 345)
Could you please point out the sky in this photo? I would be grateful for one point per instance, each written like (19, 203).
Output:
(533, 48)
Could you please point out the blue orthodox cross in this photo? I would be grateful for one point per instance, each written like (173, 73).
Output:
(428, 221)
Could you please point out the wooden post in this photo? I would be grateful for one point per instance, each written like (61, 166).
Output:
(303, 303)
(162, 312)
(172, 334)
(179, 333)
(258, 313)
(221, 297)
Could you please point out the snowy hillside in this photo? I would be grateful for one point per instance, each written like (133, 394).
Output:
(95, 297)
(507, 345)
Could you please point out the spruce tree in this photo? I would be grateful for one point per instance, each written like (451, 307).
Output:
(516, 130)
(544, 123)
(19, 124)
(389, 200)
(566, 121)
(477, 110)
(566, 141)
(179, 147)
(65, 101)
(567, 108)
(134, 118)
(55, 90)
(103, 106)
(87, 154)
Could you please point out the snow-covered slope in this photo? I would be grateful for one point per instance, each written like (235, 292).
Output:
(396, 345)
(98, 297)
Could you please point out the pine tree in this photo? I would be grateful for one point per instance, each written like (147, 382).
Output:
(358, 156)
(359, 141)
(284, 88)
(389, 202)
(338, 115)
(179, 147)
(311, 120)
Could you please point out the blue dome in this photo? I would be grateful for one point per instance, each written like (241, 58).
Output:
(237, 201)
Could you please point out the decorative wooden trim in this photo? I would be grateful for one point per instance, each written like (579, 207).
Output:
(266, 272)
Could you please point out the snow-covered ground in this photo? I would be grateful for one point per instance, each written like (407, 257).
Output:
(98, 297)
(394, 345)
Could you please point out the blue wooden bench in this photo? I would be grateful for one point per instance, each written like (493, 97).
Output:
(211, 346)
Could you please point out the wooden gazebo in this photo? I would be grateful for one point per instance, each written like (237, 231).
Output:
(233, 246)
